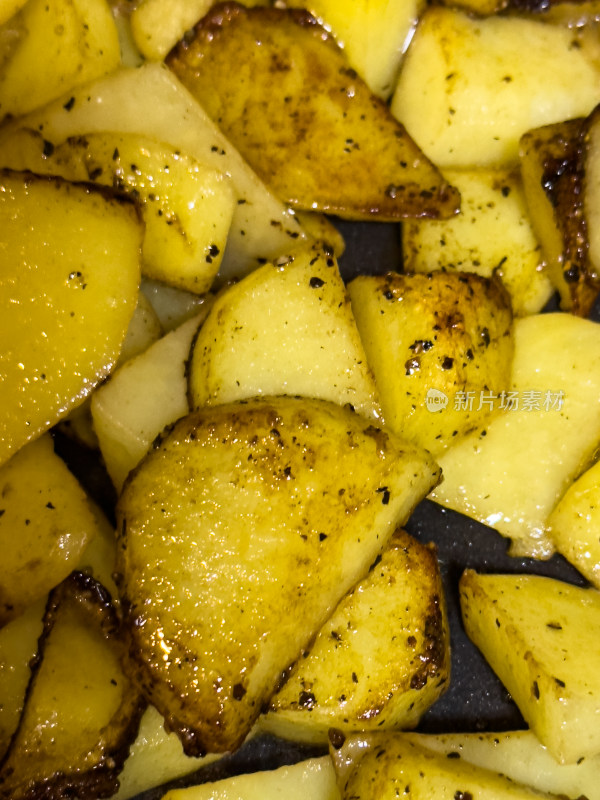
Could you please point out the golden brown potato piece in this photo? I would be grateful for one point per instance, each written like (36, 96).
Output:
(540, 636)
(81, 712)
(440, 345)
(559, 194)
(78, 249)
(381, 659)
(303, 119)
(239, 534)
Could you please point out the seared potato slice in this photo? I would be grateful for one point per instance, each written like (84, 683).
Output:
(46, 522)
(556, 184)
(140, 399)
(591, 207)
(470, 87)
(239, 534)
(314, 778)
(321, 140)
(521, 757)
(492, 236)
(61, 45)
(575, 522)
(513, 470)
(388, 766)
(374, 35)
(18, 646)
(151, 102)
(81, 712)
(186, 206)
(78, 249)
(440, 346)
(540, 636)
(380, 660)
(285, 329)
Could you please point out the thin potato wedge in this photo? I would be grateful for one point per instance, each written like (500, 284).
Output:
(540, 636)
(321, 141)
(81, 713)
(381, 659)
(79, 250)
(225, 579)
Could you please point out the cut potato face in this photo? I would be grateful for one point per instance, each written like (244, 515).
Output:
(388, 766)
(61, 45)
(470, 87)
(574, 525)
(492, 236)
(381, 659)
(534, 632)
(79, 250)
(225, 581)
(511, 472)
(186, 207)
(285, 329)
(80, 713)
(46, 522)
(440, 346)
(151, 102)
(335, 147)
(521, 757)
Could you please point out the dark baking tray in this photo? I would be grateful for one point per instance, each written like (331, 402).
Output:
(475, 700)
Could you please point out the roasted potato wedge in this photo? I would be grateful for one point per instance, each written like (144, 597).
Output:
(285, 329)
(440, 346)
(512, 471)
(470, 87)
(150, 101)
(225, 580)
(388, 766)
(553, 165)
(575, 522)
(521, 757)
(59, 45)
(79, 249)
(81, 712)
(46, 522)
(187, 207)
(381, 659)
(140, 399)
(172, 306)
(492, 236)
(322, 140)
(539, 635)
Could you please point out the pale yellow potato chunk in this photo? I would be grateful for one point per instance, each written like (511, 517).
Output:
(62, 44)
(521, 757)
(374, 36)
(540, 636)
(388, 766)
(491, 236)
(574, 525)
(79, 250)
(470, 87)
(381, 659)
(141, 398)
(285, 329)
(314, 779)
(45, 525)
(173, 306)
(512, 471)
(150, 101)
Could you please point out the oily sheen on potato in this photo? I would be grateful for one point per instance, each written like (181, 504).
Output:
(238, 536)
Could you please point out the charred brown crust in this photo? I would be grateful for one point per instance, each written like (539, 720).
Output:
(101, 780)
